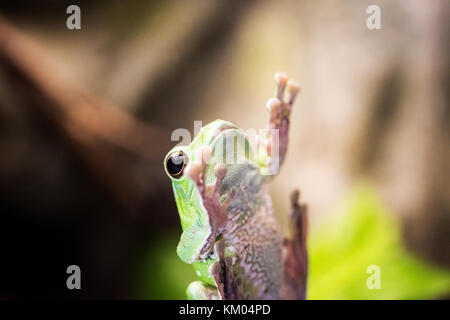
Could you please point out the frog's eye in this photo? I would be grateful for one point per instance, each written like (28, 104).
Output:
(175, 164)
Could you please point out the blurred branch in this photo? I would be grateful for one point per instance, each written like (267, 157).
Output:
(91, 125)
(195, 65)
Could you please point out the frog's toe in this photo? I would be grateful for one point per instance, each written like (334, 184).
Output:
(193, 171)
(274, 106)
(203, 155)
(199, 290)
(293, 89)
(197, 168)
(281, 78)
(220, 171)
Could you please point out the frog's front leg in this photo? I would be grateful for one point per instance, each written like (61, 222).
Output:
(227, 288)
(199, 290)
(216, 209)
(272, 146)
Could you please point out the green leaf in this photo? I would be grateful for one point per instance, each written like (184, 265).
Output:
(363, 233)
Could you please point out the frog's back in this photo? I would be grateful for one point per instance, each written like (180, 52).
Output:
(255, 237)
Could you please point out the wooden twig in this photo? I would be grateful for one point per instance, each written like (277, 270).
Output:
(295, 252)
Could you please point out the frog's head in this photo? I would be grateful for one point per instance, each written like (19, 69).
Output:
(195, 221)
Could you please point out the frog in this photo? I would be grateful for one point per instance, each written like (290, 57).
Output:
(230, 234)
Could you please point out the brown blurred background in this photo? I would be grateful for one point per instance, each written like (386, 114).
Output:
(86, 117)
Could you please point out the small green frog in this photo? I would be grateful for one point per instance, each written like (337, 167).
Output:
(230, 234)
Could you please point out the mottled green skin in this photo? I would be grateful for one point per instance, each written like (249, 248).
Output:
(251, 234)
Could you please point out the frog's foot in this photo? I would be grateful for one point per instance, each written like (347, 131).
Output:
(216, 209)
(199, 290)
(274, 145)
(295, 257)
(228, 287)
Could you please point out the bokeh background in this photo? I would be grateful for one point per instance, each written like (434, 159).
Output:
(86, 118)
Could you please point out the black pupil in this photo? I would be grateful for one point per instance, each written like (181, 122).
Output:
(175, 163)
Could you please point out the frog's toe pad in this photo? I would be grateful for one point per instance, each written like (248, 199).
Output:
(199, 290)
(293, 88)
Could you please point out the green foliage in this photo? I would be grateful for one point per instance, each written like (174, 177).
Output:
(163, 275)
(363, 233)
